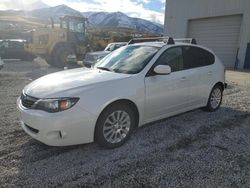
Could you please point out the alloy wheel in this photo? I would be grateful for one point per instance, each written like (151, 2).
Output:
(215, 99)
(116, 126)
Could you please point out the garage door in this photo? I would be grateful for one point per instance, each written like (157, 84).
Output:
(221, 34)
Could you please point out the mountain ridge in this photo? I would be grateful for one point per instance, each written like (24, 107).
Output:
(96, 19)
(119, 19)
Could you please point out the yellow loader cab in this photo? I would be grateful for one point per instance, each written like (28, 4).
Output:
(60, 46)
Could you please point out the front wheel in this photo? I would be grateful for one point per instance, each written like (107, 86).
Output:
(215, 99)
(49, 60)
(60, 55)
(114, 126)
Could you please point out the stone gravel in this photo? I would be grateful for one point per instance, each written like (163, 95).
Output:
(194, 149)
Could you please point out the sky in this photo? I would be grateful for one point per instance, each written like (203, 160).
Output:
(152, 10)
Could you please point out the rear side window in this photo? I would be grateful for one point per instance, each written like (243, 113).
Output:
(196, 57)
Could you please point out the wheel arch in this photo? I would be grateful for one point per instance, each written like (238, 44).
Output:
(220, 84)
(122, 101)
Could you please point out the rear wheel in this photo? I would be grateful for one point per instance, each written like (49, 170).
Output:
(215, 99)
(114, 126)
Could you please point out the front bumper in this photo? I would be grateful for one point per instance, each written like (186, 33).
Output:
(70, 127)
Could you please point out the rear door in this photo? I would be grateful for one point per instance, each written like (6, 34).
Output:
(200, 63)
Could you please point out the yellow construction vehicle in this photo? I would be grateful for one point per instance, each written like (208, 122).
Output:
(60, 46)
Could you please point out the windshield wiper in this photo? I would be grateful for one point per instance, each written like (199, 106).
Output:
(105, 68)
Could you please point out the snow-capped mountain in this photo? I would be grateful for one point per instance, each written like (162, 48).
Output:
(100, 19)
(54, 12)
(96, 19)
(119, 19)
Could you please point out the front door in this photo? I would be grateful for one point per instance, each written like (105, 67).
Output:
(167, 94)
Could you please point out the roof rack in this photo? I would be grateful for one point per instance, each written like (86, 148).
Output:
(167, 40)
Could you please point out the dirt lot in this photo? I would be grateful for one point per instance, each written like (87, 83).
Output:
(195, 149)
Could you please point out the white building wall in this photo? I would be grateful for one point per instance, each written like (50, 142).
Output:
(178, 12)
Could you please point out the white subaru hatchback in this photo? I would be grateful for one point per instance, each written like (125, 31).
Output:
(132, 86)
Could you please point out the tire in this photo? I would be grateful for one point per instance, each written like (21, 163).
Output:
(49, 60)
(108, 132)
(215, 99)
(60, 54)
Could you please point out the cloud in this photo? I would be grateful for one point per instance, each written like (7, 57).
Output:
(15, 4)
(21, 4)
(144, 1)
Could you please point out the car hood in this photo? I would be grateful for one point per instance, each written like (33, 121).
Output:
(53, 85)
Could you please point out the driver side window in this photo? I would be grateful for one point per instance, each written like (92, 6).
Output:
(172, 57)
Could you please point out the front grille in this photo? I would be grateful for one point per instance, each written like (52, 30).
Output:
(28, 101)
(31, 129)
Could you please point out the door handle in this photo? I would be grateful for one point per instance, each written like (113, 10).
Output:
(210, 73)
(184, 78)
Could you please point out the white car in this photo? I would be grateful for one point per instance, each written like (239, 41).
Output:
(92, 57)
(130, 87)
(1, 63)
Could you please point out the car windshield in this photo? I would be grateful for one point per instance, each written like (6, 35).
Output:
(128, 59)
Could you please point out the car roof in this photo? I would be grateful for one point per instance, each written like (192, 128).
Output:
(153, 44)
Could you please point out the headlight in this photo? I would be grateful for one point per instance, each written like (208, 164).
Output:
(55, 105)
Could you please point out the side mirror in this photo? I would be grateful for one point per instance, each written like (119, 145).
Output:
(162, 69)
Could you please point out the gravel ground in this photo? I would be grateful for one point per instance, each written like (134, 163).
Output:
(194, 149)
